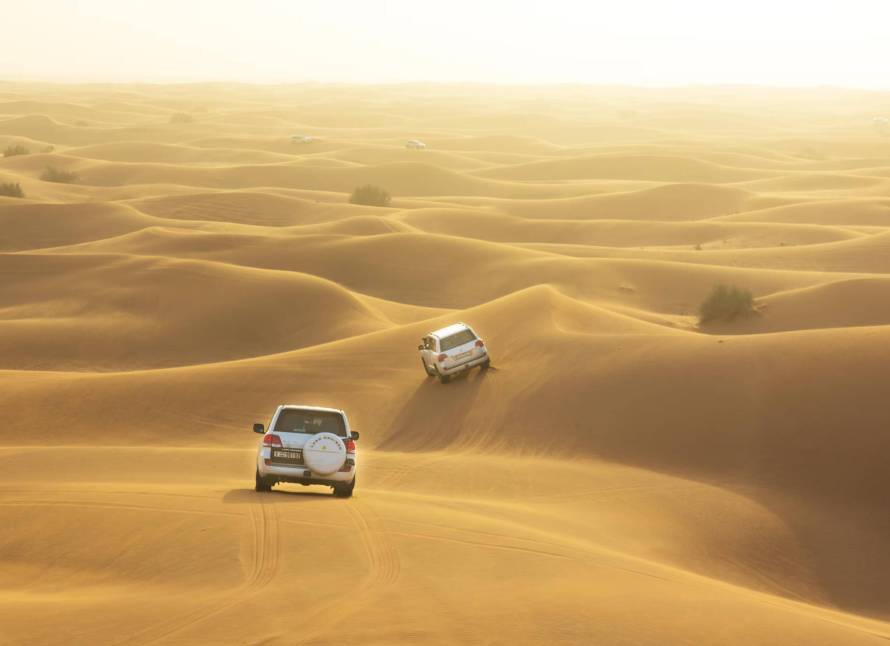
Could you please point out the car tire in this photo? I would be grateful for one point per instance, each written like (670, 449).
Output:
(344, 491)
(444, 378)
(426, 369)
(261, 483)
(485, 365)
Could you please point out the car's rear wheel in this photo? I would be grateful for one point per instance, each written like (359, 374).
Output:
(262, 484)
(427, 370)
(344, 490)
(485, 365)
(443, 378)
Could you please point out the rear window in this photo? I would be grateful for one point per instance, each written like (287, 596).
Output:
(295, 420)
(459, 338)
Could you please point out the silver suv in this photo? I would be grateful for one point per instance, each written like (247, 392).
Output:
(451, 350)
(307, 445)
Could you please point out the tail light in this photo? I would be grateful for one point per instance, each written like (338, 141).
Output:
(271, 440)
(479, 343)
(350, 451)
(441, 357)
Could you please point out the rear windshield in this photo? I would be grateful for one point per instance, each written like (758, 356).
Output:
(295, 420)
(459, 338)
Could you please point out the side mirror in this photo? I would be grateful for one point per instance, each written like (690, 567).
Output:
(354, 435)
(258, 428)
(420, 347)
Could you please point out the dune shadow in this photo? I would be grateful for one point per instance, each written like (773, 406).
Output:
(436, 415)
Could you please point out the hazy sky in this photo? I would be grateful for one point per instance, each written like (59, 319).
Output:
(784, 42)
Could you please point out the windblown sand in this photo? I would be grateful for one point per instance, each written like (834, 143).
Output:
(624, 475)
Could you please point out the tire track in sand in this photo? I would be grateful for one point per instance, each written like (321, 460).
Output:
(383, 558)
(384, 567)
(266, 550)
(264, 561)
(98, 504)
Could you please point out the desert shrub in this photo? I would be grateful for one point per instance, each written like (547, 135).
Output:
(11, 189)
(725, 303)
(370, 195)
(12, 151)
(53, 174)
(181, 117)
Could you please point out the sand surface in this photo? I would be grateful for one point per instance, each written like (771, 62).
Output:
(623, 475)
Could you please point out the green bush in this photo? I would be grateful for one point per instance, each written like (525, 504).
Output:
(725, 303)
(370, 195)
(12, 151)
(11, 189)
(53, 174)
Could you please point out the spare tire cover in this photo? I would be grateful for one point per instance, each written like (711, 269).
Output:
(324, 453)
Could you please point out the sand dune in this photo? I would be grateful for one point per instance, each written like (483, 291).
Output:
(267, 209)
(44, 128)
(368, 155)
(849, 212)
(861, 254)
(173, 154)
(497, 144)
(652, 168)
(407, 178)
(664, 202)
(486, 225)
(375, 265)
(845, 303)
(52, 318)
(623, 475)
(35, 226)
(819, 183)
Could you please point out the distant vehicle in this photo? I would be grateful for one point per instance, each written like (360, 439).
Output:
(301, 139)
(415, 144)
(452, 350)
(307, 445)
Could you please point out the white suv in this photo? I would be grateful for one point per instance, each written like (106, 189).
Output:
(451, 350)
(307, 445)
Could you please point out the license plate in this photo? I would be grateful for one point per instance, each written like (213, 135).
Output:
(463, 355)
(288, 455)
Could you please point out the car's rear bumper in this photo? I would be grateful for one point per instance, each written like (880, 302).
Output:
(315, 481)
(303, 475)
(472, 363)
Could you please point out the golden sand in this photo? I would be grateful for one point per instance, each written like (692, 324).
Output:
(624, 476)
